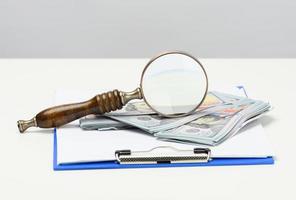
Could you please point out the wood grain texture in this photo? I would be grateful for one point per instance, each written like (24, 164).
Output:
(63, 114)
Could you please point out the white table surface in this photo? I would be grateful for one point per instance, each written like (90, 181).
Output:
(27, 86)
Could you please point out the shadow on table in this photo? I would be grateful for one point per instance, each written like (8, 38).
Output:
(266, 120)
(50, 130)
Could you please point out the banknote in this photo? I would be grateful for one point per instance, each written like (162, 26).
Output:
(139, 107)
(204, 128)
(156, 123)
(102, 123)
(93, 122)
(149, 121)
(217, 127)
(135, 107)
(220, 117)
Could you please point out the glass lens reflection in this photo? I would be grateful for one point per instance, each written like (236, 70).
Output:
(174, 83)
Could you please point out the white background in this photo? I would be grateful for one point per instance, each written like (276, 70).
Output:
(27, 86)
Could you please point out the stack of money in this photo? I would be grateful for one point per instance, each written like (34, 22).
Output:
(220, 117)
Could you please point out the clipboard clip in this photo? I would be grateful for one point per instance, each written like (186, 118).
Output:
(163, 154)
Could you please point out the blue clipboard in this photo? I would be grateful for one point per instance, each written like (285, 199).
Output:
(115, 165)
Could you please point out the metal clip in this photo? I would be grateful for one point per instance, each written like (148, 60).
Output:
(163, 154)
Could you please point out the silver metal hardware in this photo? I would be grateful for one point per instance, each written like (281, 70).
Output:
(127, 96)
(163, 154)
(24, 124)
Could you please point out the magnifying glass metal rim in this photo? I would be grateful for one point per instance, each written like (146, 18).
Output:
(167, 53)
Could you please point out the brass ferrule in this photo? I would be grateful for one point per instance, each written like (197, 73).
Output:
(127, 96)
(24, 124)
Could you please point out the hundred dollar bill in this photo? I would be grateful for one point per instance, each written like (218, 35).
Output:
(102, 123)
(220, 117)
(215, 128)
(155, 123)
(139, 107)
(135, 107)
(138, 114)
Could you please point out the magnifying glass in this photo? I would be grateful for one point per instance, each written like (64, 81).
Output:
(173, 84)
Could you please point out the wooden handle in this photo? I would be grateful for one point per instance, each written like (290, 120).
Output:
(63, 114)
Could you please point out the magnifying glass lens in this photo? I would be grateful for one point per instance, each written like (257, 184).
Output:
(174, 84)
